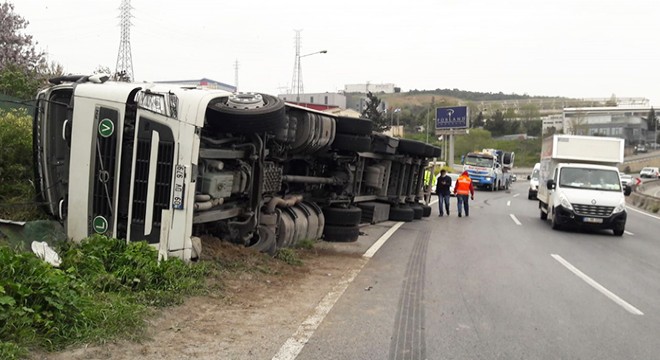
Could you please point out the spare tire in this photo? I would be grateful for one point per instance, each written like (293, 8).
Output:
(351, 125)
(259, 113)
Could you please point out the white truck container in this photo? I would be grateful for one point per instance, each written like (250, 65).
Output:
(579, 182)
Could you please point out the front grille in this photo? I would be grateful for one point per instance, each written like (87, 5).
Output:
(592, 210)
(104, 167)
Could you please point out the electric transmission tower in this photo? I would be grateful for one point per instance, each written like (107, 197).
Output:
(296, 82)
(124, 68)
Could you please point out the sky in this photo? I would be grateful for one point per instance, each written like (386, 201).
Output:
(571, 48)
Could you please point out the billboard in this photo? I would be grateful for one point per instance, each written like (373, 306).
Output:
(455, 117)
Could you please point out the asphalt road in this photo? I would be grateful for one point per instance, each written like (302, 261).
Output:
(500, 284)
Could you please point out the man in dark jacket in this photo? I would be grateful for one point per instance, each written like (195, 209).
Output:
(442, 190)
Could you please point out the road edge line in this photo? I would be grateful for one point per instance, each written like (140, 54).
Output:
(619, 301)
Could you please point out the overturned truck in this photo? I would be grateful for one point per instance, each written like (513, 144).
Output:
(169, 164)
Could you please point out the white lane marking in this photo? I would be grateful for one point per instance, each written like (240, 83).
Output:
(642, 212)
(372, 250)
(508, 203)
(631, 309)
(294, 345)
(516, 195)
(515, 219)
(628, 233)
(434, 201)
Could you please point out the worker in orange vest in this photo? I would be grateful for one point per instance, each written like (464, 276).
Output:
(462, 190)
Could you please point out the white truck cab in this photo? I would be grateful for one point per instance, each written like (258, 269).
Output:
(580, 184)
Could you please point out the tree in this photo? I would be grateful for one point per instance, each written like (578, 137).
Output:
(372, 112)
(17, 48)
(652, 121)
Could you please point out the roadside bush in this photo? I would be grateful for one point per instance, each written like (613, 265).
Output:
(289, 256)
(102, 291)
(16, 191)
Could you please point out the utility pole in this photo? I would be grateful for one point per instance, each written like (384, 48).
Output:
(124, 67)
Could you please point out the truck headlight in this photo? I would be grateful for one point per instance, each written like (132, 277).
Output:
(564, 202)
(620, 208)
(488, 178)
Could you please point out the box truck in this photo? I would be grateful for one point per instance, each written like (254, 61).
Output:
(579, 182)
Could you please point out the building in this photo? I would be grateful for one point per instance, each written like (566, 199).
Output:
(325, 100)
(550, 122)
(627, 122)
(201, 83)
(374, 88)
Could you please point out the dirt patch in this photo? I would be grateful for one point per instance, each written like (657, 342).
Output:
(259, 304)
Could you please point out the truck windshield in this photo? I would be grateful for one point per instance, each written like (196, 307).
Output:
(594, 179)
(478, 161)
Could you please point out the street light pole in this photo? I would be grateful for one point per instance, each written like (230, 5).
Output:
(299, 85)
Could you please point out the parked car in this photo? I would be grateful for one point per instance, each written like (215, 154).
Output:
(650, 172)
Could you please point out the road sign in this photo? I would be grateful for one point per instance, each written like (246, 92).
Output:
(106, 128)
(100, 225)
(455, 117)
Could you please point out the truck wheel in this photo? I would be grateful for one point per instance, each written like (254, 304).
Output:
(412, 147)
(246, 113)
(349, 125)
(337, 233)
(402, 214)
(264, 241)
(418, 211)
(342, 216)
(427, 210)
(357, 143)
(544, 215)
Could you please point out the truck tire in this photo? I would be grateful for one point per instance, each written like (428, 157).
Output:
(264, 241)
(437, 151)
(355, 126)
(418, 211)
(427, 210)
(337, 233)
(402, 214)
(347, 142)
(350, 216)
(412, 147)
(506, 158)
(543, 215)
(223, 114)
(618, 231)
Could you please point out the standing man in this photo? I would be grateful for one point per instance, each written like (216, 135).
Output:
(462, 190)
(442, 190)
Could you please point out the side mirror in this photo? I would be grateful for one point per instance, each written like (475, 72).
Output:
(551, 184)
(529, 177)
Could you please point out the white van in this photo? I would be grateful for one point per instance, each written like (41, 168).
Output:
(534, 182)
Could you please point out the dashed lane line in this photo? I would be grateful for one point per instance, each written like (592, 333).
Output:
(515, 220)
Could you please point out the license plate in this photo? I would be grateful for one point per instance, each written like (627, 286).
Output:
(179, 177)
(593, 220)
(475, 180)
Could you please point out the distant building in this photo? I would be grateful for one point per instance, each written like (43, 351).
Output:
(327, 100)
(201, 83)
(626, 122)
(374, 88)
(554, 121)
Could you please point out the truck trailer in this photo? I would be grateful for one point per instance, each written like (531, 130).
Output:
(580, 184)
(169, 164)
